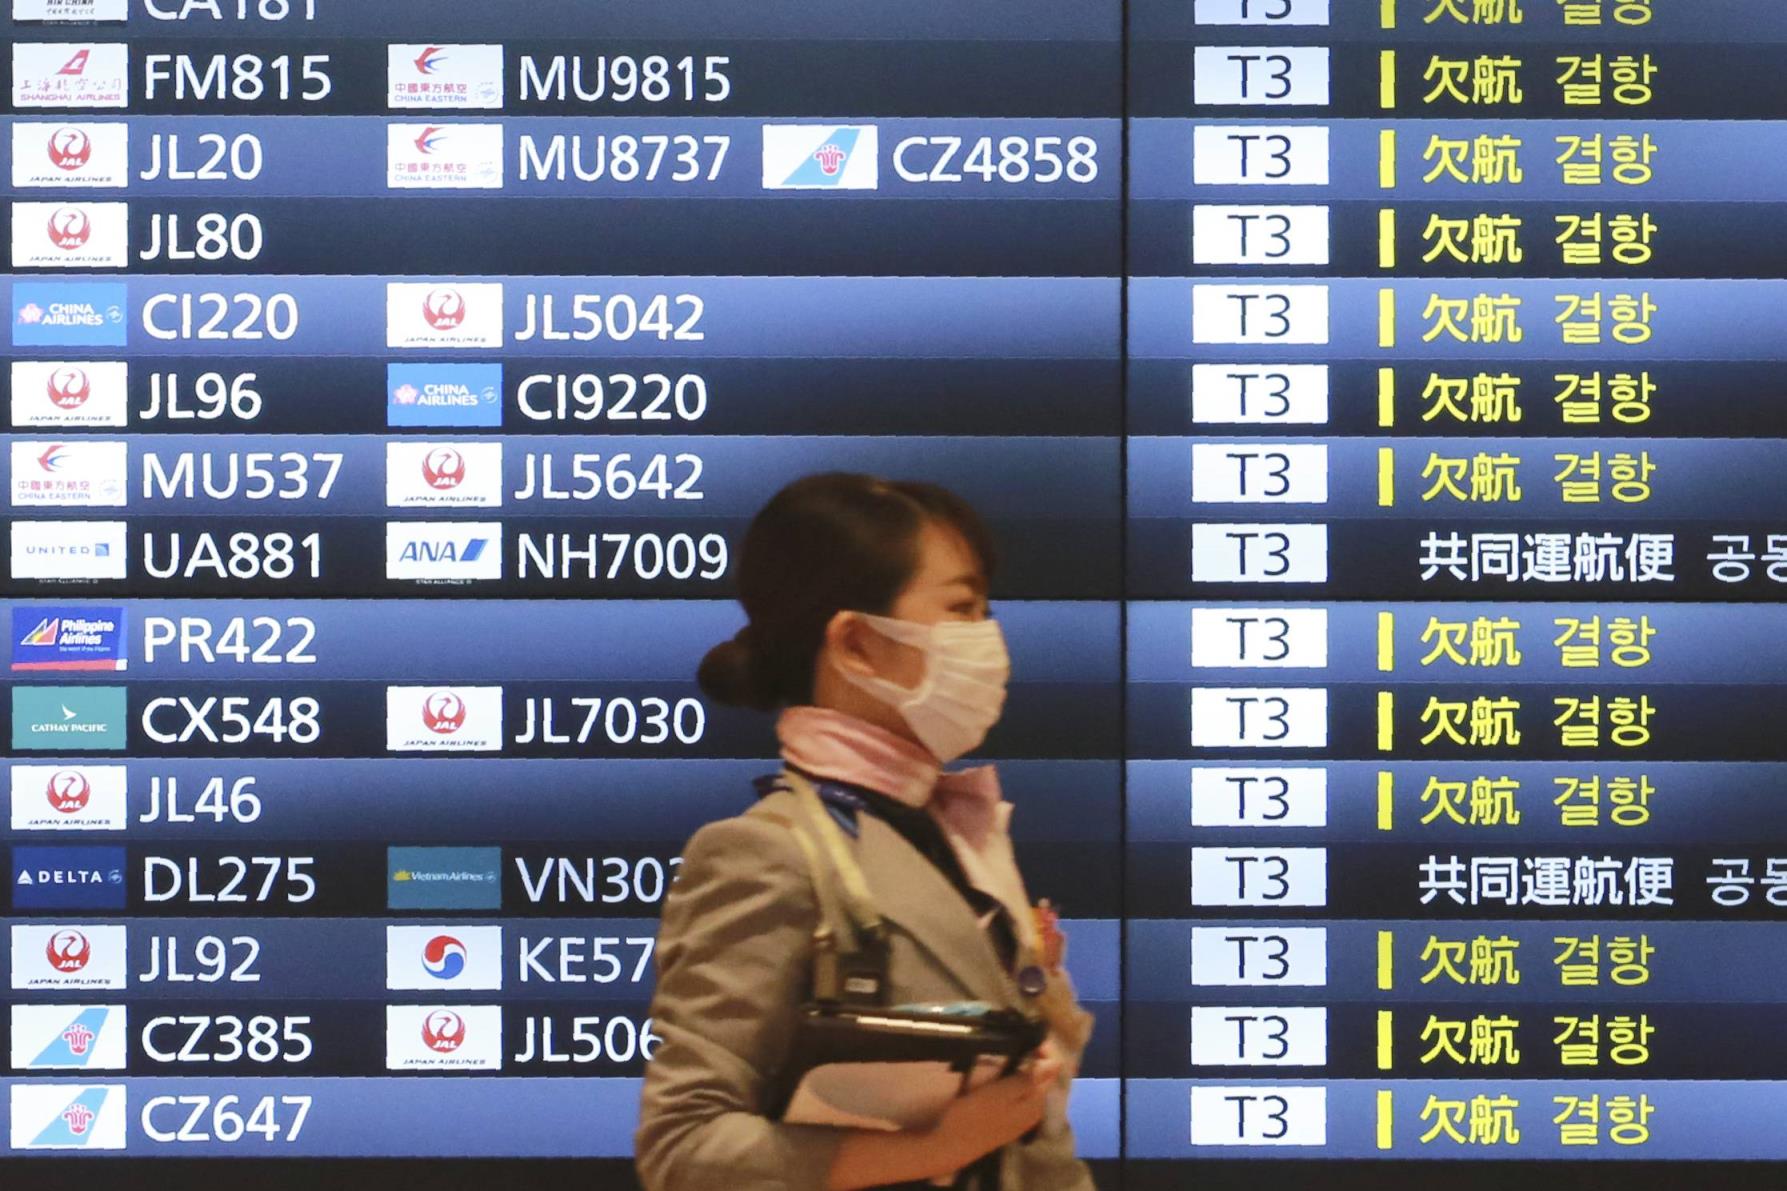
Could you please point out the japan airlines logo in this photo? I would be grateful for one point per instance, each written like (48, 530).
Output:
(68, 951)
(443, 1037)
(437, 719)
(65, 75)
(443, 1030)
(821, 157)
(444, 309)
(466, 314)
(57, 393)
(67, 1037)
(67, 957)
(68, 798)
(68, 791)
(70, 235)
(60, 1116)
(447, 77)
(70, 156)
(460, 474)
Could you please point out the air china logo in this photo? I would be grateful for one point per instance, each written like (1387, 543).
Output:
(443, 1037)
(444, 157)
(444, 475)
(69, 156)
(70, 235)
(443, 719)
(432, 957)
(81, 474)
(461, 314)
(68, 1037)
(64, 1116)
(49, 957)
(70, 75)
(57, 394)
(70, 10)
(444, 77)
(443, 551)
(821, 157)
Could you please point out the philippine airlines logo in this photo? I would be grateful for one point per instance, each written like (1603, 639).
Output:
(445, 77)
(435, 719)
(71, 638)
(465, 314)
(444, 157)
(428, 957)
(70, 235)
(443, 1037)
(821, 157)
(67, 156)
(462, 474)
(70, 75)
(62, 1116)
(67, 1037)
(54, 393)
(67, 957)
(84, 474)
(68, 797)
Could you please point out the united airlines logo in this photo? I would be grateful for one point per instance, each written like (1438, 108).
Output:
(821, 157)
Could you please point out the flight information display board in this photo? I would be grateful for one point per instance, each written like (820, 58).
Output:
(1370, 399)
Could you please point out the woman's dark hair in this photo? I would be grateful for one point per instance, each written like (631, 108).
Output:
(823, 544)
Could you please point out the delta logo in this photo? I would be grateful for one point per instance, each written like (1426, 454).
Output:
(68, 314)
(63, 1116)
(443, 395)
(72, 638)
(444, 77)
(443, 719)
(821, 157)
(70, 235)
(443, 475)
(70, 75)
(86, 395)
(457, 314)
(52, 878)
(443, 1037)
(68, 1037)
(51, 957)
(444, 157)
(68, 797)
(443, 551)
(79, 474)
(460, 956)
(70, 156)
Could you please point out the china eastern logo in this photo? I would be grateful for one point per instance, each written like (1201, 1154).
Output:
(71, 638)
(444, 77)
(821, 157)
(444, 157)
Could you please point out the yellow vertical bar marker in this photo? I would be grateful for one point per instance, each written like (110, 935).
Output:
(1386, 641)
(1386, 1040)
(1386, 721)
(1386, 477)
(1386, 960)
(1386, 239)
(1386, 1114)
(1386, 80)
(1387, 14)
(1386, 318)
(1386, 805)
(1386, 396)
(1386, 159)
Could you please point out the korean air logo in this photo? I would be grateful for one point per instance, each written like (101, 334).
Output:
(68, 951)
(70, 148)
(821, 157)
(430, 59)
(443, 1031)
(443, 713)
(443, 957)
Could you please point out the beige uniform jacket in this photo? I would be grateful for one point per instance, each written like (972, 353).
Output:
(734, 963)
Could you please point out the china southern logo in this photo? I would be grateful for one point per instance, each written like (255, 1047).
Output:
(62, 1116)
(67, 1037)
(68, 638)
(821, 157)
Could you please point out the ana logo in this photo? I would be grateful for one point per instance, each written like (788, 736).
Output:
(69, 387)
(69, 227)
(427, 141)
(70, 148)
(444, 309)
(429, 60)
(443, 1031)
(77, 65)
(68, 791)
(443, 713)
(68, 951)
(443, 957)
(443, 468)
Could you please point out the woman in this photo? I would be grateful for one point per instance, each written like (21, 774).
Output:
(868, 628)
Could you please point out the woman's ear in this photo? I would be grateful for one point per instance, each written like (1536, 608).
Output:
(845, 642)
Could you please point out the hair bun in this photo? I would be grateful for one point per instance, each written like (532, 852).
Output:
(729, 674)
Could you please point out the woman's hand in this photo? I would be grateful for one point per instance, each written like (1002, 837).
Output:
(995, 1114)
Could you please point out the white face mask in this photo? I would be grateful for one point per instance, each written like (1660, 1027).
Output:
(962, 692)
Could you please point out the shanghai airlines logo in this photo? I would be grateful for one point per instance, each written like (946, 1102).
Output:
(443, 468)
(70, 149)
(443, 713)
(444, 309)
(77, 65)
(443, 957)
(68, 791)
(68, 951)
(429, 59)
(443, 1031)
(70, 228)
(69, 388)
